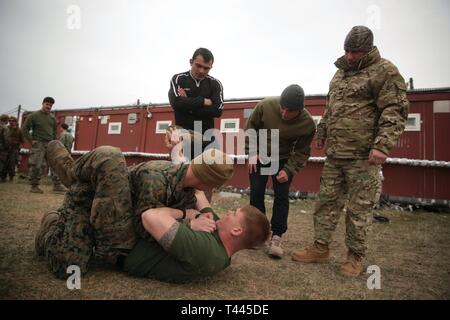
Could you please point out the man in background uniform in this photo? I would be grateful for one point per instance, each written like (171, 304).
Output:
(365, 114)
(15, 140)
(4, 132)
(66, 138)
(43, 126)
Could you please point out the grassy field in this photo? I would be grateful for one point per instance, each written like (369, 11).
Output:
(412, 251)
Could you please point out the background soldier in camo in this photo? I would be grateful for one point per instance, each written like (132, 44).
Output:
(365, 114)
(4, 146)
(15, 139)
(66, 138)
(43, 126)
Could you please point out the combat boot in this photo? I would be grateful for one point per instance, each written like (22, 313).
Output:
(353, 266)
(61, 162)
(316, 253)
(36, 189)
(49, 219)
(59, 188)
(274, 249)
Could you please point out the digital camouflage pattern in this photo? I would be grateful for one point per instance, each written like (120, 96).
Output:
(157, 184)
(37, 162)
(95, 217)
(67, 140)
(366, 108)
(3, 147)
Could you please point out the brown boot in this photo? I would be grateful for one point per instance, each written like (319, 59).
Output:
(59, 188)
(49, 219)
(61, 162)
(316, 253)
(36, 189)
(353, 266)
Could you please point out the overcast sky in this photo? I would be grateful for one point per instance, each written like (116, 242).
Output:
(92, 53)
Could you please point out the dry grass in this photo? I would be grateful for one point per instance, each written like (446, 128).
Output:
(413, 252)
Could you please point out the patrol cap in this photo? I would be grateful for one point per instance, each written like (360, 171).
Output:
(213, 167)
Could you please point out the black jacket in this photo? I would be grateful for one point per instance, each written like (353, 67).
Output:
(189, 109)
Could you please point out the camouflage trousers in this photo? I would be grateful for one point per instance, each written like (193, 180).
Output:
(95, 218)
(3, 163)
(13, 159)
(355, 181)
(37, 162)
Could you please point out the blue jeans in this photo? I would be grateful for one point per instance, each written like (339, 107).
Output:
(280, 211)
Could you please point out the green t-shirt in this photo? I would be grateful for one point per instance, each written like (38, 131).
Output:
(43, 126)
(192, 255)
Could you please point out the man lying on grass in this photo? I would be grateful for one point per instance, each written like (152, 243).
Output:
(144, 219)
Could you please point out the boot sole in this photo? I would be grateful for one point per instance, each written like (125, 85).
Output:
(350, 275)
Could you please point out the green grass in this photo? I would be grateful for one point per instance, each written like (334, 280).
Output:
(413, 252)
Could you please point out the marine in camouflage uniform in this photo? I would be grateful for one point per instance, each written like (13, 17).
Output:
(4, 146)
(96, 215)
(66, 138)
(42, 125)
(157, 184)
(15, 139)
(365, 114)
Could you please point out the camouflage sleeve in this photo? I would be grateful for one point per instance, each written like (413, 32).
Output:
(322, 126)
(253, 122)
(300, 155)
(152, 191)
(393, 106)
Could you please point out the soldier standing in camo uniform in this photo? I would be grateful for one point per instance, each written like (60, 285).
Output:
(15, 140)
(4, 146)
(365, 114)
(66, 138)
(43, 126)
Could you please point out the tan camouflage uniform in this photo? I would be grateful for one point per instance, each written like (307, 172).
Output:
(96, 215)
(366, 109)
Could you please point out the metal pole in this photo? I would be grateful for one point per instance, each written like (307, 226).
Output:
(19, 121)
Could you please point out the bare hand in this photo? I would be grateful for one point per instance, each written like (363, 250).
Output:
(181, 92)
(203, 223)
(377, 157)
(282, 176)
(252, 164)
(207, 102)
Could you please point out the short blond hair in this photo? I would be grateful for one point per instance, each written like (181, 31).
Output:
(256, 227)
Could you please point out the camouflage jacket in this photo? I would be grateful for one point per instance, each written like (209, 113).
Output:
(4, 137)
(157, 184)
(67, 140)
(366, 108)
